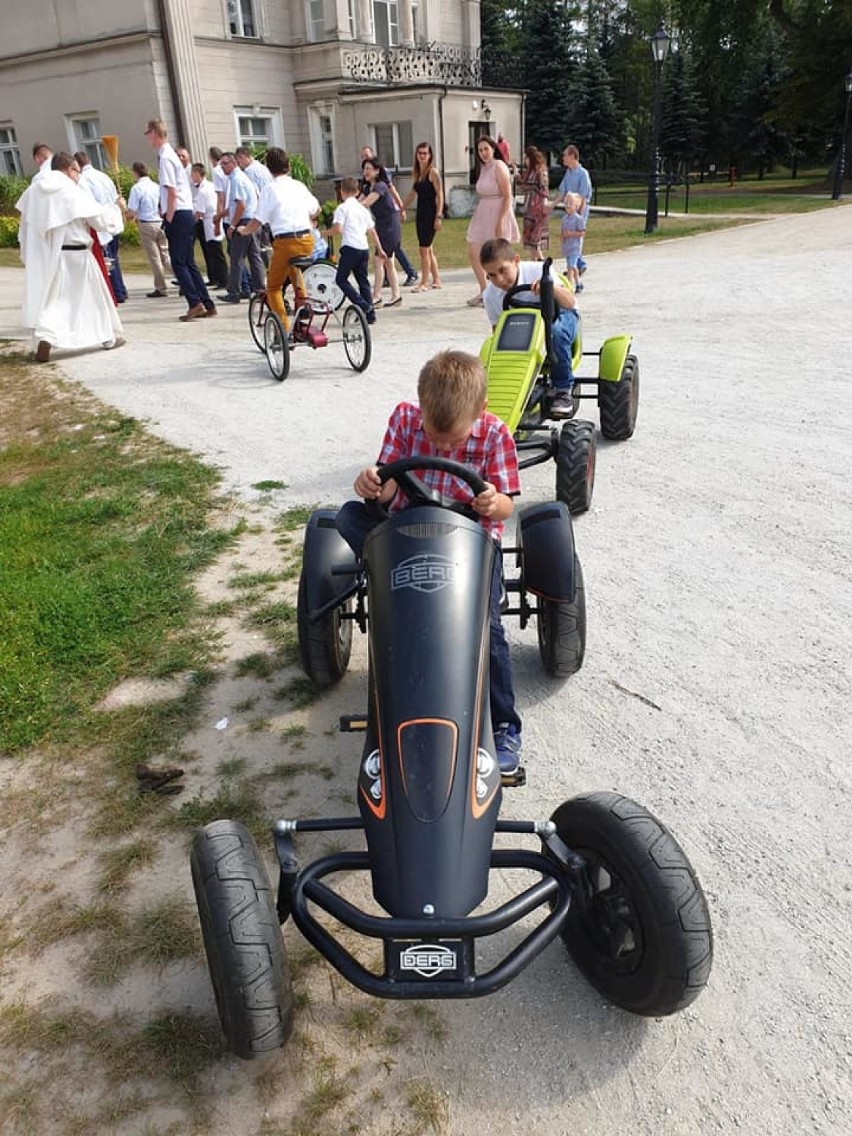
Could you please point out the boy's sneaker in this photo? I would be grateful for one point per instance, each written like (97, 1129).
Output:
(507, 742)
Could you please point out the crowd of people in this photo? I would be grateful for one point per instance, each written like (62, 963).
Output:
(251, 218)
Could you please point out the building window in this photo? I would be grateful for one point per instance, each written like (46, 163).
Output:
(386, 20)
(258, 126)
(241, 19)
(393, 143)
(85, 131)
(10, 155)
(350, 11)
(316, 20)
(326, 138)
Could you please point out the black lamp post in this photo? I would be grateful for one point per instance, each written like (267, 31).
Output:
(840, 167)
(660, 41)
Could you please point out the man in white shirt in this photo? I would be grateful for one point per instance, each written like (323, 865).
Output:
(242, 209)
(42, 155)
(287, 207)
(204, 203)
(103, 190)
(143, 207)
(257, 173)
(176, 211)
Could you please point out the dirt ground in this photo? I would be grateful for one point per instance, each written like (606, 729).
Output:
(716, 691)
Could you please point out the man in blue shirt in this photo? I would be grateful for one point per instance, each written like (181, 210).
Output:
(576, 180)
(242, 208)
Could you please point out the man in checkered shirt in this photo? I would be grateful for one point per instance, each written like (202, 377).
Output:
(451, 421)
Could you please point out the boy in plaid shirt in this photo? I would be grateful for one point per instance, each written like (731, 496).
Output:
(451, 421)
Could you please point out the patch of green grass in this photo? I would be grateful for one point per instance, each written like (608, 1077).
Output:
(221, 608)
(163, 933)
(259, 664)
(294, 735)
(237, 800)
(269, 484)
(429, 1020)
(244, 581)
(277, 621)
(102, 528)
(329, 1089)
(429, 1106)
(119, 863)
(232, 767)
(300, 692)
(259, 726)
(295, 518)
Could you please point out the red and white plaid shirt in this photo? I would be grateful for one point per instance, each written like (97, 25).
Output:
(489, 450)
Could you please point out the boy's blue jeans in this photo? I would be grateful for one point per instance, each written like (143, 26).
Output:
(564, 333)
(355, 522)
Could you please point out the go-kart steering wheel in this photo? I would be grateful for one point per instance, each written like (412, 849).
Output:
(509, 296)
(420, 494)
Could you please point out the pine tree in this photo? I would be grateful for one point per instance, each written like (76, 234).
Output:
(596, 126)
(547, 46)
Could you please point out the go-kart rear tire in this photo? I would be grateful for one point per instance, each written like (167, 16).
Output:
(562, 630)
(325, 645)
(619, 402)
(357, 342)
(575, 465)
(242, 939)
(643, 938)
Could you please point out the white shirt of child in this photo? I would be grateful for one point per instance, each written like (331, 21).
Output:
(143, 199)
(492, 297)
(355, 220)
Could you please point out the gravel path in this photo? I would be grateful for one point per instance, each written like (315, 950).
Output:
(719, 584)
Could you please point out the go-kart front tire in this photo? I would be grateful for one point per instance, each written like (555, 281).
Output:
(242, 939)
(325, 645)
(619, 402)
(642, 937)
(562, 630)
(575, 465)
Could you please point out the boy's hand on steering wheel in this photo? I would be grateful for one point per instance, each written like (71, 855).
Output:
(485, 503)
(367, 484)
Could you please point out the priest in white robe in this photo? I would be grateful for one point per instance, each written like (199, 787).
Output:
(67, 303)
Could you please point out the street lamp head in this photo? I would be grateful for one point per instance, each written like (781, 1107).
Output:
(660, 42)
(848, 81)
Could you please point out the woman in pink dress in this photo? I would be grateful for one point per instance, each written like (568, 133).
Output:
(494, 215)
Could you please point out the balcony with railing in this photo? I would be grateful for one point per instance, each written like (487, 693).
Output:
(432, 64)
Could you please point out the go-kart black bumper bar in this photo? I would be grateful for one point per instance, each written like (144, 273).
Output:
(454, 937)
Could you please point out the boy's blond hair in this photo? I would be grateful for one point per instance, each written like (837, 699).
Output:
(495, 250)
(158, 127)
(349, 186)
(452, 387)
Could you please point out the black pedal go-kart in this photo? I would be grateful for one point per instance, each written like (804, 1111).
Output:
(518, 357)
(607, 876)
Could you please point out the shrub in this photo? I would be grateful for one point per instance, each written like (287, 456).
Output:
(11, 188)
(8, 232)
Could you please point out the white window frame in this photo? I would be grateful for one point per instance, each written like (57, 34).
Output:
(242, 19)
(275, 135)
(10, 155)
(322, 140)
(315, 21)
(402, 142)
(84, 133)
(391, 10)
(350, 12)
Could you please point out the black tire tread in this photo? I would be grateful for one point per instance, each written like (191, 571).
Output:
(360, 317)
(321, 659)
(577, 443)
(619, 403)
(562, 631)
(657, 867)
(242, 939)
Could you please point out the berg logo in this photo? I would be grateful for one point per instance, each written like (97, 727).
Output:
(428, 959)
(425, 572)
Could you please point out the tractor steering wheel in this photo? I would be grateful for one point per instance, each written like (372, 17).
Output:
(420, 494)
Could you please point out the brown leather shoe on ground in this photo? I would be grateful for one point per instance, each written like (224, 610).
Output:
(42, 354)
(211, 311)
(196, 313)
